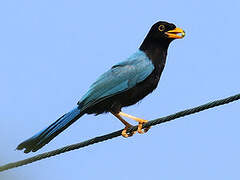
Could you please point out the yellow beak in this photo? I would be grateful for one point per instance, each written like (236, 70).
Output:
(174, 34)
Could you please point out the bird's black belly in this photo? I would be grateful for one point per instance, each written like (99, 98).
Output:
(129, 97)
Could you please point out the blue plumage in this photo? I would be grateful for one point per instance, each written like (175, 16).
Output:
(44, 136)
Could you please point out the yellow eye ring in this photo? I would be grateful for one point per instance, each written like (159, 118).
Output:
(161, 27)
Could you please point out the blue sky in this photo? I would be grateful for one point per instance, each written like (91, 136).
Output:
(51, 52)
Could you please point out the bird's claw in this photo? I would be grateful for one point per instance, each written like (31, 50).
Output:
(140, 125)
(127, 134)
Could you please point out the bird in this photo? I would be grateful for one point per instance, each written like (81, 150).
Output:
(124, 84)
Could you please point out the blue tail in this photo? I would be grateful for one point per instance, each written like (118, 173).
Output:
(45, 136)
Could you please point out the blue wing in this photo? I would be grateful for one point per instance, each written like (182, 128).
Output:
(119, 78)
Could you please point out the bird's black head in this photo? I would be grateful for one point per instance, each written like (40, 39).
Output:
(160, 35)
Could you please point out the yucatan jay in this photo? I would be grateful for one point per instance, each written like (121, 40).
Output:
(124, 84)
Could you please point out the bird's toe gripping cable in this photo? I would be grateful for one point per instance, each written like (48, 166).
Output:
(140, 124)
(127, 125)
(126, 134)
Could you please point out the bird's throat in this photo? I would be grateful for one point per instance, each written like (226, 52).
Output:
(157, 56)
(155, 50)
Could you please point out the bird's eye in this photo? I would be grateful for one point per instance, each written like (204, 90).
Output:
(161, 28)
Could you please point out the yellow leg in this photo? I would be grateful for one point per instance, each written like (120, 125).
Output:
(139, 120)
(127, 125)
(133, 117)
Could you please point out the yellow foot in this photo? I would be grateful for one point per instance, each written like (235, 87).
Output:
(140, 131)
(125, 134)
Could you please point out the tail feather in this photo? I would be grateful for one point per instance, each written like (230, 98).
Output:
(46, 135)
